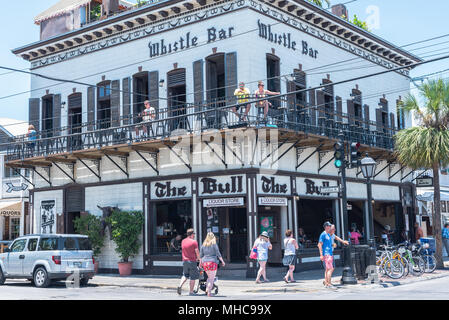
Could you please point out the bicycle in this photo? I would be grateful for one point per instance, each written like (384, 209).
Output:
(429, 258)
(414, 263)
(387, 265)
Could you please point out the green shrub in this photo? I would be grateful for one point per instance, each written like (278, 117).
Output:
(126, 226)
(90, 225)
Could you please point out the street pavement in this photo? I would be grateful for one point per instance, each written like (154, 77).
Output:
(308, 287)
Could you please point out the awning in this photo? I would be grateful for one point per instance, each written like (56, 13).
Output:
(10, 208)
(428, 196)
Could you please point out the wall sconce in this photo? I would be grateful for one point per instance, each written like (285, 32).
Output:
(63, 104)
(295, 196)
(161, 83)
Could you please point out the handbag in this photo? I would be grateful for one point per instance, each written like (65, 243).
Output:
(253, 253)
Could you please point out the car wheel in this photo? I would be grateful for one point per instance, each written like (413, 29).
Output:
(2, 277)
(84, 282)
(40, 278)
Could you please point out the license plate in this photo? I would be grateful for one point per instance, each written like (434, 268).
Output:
(78, 264)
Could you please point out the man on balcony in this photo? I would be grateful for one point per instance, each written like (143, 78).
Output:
(242, 95)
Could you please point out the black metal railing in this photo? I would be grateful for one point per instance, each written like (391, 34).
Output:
(216, 113)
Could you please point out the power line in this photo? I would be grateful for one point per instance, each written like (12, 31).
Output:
(86, 84)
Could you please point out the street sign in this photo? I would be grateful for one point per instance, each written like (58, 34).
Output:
(330, 189)
(424, 182)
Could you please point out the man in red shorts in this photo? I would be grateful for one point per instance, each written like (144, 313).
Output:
(190, 256)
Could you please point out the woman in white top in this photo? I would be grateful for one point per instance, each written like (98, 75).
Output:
(262, 244)
(290, 246)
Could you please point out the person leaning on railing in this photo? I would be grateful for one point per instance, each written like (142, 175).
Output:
(148, 114)
(242, 95)
(262, 93)
(32, 136)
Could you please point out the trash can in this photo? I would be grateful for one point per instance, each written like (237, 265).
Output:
(361, 255)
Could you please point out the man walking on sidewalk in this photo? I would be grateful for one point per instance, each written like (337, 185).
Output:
(446, 238)
(190, 256)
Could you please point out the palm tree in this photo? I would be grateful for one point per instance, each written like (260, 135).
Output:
(426, 146)
(320, 2)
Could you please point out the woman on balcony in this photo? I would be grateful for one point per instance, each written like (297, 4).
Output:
(262, 93)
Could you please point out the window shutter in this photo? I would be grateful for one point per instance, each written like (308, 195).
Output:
(291, 98)
(313, 107)
(339, 108)
(90, 108)
(60, 223)
(379, 119)
(392, 123)
(57, 115)
(231, 74)
(74, 197)
(33, 112)
(153, 84)
(366, 116)
(320, 103)
(115, 103)
(198, 85)
(351, 113)
(126, 99)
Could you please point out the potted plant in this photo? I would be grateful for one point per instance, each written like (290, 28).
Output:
(90, 225)
(126, 226)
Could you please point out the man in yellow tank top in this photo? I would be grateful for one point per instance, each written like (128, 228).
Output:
(242, 95)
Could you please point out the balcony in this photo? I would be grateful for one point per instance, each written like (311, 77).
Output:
(302, 124)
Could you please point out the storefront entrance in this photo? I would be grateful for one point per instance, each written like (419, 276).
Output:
(270, 221)
(229, 224)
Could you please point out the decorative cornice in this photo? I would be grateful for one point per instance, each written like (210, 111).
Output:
(325, 27)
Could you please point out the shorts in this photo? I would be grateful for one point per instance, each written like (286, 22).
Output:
(262, 256)
(328, 262)
(289, 260)
(190, 270)
(209, 266)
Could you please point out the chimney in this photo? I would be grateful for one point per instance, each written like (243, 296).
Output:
(110, 7)
(340, 10)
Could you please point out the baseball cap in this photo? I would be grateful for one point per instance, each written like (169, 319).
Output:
(327, 224)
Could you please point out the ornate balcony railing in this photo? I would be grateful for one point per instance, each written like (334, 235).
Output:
(212, 114)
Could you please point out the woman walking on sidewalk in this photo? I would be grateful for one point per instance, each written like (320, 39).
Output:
(290, 246)
(209, 256)
(262, 244)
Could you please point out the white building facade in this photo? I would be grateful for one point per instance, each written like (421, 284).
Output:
(186, 58)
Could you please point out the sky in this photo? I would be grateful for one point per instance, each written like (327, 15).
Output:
(400, 22)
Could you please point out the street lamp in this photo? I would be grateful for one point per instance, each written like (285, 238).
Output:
(368, 166)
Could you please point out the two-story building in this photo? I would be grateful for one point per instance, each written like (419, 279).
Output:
(15, 182)
(198, 164)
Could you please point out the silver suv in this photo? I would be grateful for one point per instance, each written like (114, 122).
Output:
(45, 257)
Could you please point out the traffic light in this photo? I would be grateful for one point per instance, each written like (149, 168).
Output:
(355, 154)
(339, 154)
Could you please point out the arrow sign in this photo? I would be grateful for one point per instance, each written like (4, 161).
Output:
(330, 189)
(12, 187)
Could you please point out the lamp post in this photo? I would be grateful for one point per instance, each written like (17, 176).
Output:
(347, 274)
(368, 166)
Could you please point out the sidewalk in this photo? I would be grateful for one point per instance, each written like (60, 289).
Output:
(307, 281)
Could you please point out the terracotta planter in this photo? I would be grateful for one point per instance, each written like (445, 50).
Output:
(96, 267)
(125, 268)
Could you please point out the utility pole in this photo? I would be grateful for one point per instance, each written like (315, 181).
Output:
(348, 274)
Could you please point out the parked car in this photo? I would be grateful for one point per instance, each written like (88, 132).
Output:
(42, 258)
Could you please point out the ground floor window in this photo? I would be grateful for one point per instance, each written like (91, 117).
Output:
(386, 223)
(356, 222)
(311, 216)
(171, 219)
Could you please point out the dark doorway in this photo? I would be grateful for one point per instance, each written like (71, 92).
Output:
(71, 216)
(216, 90)
(75, 119)
(140, 94)
(104, 105)
(273, 79)
(311, 216)
(47, 116)
(176, 91)
(238, 234)
(270, 221)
